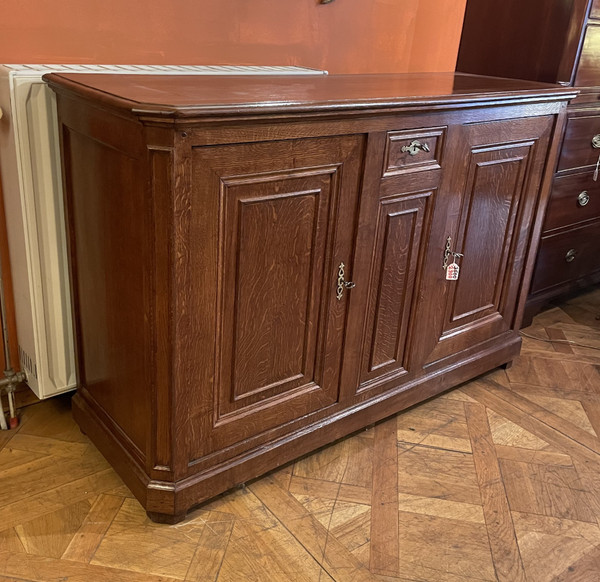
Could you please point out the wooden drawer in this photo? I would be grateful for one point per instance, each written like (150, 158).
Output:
(552, 267)
(595, 11)
(577, 150)
(588, 71)
(574, 199)
(413, 150)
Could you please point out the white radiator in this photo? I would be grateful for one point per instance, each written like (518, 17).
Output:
(33, 200)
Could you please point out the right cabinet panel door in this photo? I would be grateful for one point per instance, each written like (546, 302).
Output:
(484, 212)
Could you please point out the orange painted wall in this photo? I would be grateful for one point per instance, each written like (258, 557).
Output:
(346, 36)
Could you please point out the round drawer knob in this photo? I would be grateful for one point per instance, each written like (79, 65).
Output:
(583, 198)
(570, 256)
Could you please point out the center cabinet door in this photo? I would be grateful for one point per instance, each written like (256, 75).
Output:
(272, 223)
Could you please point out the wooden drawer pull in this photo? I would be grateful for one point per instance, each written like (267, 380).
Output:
(583, 198)
(570, 256)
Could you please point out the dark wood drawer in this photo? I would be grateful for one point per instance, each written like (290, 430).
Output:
(588, 71)
(574, 199)
(552, 266)
(577, 150)
(413, 150)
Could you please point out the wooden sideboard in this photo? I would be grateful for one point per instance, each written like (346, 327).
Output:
(258, 263)
(556, 41)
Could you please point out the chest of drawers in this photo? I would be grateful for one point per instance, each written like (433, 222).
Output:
(258, 264)
(554, 41)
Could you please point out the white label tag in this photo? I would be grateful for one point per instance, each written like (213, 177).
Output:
(452, 271)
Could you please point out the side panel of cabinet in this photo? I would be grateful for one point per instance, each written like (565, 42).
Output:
(106, 198)
(588, 71)
(274, 220)
(483, 213)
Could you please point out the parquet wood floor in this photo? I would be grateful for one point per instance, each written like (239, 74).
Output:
(496, 480)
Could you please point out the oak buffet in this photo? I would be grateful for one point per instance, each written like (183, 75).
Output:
(258, 263)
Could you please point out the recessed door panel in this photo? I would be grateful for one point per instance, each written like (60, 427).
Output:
(494, 189)
(272, 287)
(398, 245)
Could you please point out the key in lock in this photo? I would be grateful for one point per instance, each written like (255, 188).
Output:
(596, 145)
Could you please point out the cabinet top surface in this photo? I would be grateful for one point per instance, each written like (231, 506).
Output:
(196, 95)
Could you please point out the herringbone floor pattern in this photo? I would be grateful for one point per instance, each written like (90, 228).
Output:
(496, 480)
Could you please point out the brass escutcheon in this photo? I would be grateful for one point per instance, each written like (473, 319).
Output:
(415, 147)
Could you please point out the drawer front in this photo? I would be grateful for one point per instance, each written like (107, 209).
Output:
(577, 150)
(595, 11)
(574, 199)
(567, 256)
(413, 150)
(588, 71)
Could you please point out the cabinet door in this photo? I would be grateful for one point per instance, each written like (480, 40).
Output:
(484, 212)
(393, 227)
(272, 223)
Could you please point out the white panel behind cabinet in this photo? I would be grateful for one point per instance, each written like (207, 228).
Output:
(36, 233)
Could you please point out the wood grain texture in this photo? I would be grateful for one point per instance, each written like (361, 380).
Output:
(564, 208)
(482, 302)
(401, 159)
(283, 209)
(398, 255)
(503, 542)
(586, 568)
(588, 70)
(552, 267)
(385, 547)
(252, 282)
(89, 535)
(538, 41)
(184, 96)
(555, 42)
(577, 150)
(499, 485)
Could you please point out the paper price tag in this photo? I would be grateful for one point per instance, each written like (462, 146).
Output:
(452, 271)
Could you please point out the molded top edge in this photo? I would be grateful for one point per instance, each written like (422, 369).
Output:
(199, 96)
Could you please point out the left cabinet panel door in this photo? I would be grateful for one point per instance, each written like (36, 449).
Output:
(270, 224)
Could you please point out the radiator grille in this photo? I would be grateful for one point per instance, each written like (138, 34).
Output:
(168, 69)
